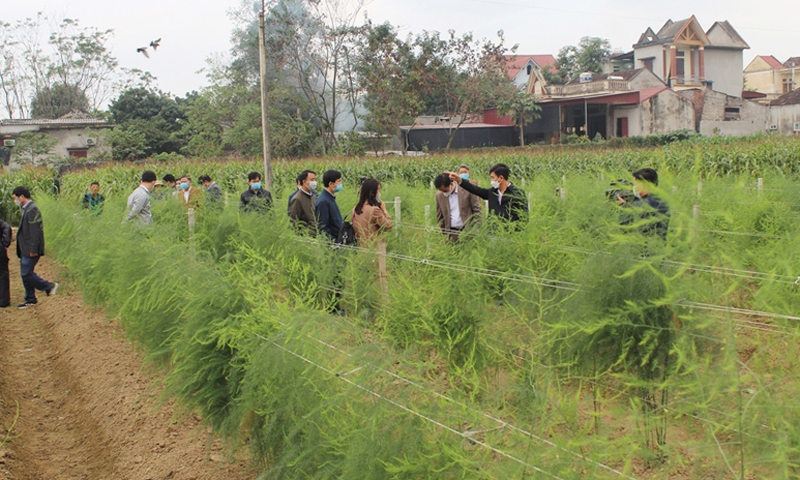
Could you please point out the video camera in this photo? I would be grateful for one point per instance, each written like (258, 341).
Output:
(625, 193)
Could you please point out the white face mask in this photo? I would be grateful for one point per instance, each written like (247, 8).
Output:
(636, 192)
(495, 184)
(18, 202)
(312, 185)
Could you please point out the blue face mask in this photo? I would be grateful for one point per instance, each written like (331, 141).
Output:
(465, 176)
(378, 198)
(184, 186)
(256, 186)
(338, 188)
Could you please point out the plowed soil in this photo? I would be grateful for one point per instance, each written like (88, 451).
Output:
(76, 402)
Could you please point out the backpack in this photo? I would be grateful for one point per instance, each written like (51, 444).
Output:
(347, 234)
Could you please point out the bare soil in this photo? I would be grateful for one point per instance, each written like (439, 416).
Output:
(75, 402)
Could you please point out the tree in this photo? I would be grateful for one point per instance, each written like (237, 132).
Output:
(386, 74)
(151, 114)
(589, 56)
(58, 100)
(73, 56)
(30, 147)
(462, 75)
(523, 108)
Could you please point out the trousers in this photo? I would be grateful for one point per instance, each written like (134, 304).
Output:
(30, 280)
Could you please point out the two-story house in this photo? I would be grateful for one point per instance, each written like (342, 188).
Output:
(766, 74)
(684, 56)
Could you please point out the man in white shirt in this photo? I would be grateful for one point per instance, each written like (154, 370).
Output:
(456, 208)
(139, 200)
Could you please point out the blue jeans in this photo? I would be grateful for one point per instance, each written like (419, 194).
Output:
(30, 280)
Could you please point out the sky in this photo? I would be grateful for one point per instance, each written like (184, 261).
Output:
(192, 31)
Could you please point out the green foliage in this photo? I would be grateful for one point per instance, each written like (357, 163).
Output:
(147, 122)
(589, 56)
(58, 100)
(33, 148)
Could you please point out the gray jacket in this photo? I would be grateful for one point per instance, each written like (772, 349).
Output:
(139, 205)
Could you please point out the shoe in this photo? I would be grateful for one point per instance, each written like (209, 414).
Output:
(4, 306)
(26, 305)
(53, 290)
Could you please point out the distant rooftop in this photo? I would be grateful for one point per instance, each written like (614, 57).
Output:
(72, 118)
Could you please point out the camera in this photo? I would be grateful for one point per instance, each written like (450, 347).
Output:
(626, 194)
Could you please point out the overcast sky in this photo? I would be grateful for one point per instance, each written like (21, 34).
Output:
(194, 30)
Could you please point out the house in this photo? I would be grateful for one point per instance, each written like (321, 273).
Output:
(767, 75)
(76, 134)
(431, 137)
(684, 56)
(784, 114)
(519, 68)
(619, 62)
(622, 104)
(720, 114)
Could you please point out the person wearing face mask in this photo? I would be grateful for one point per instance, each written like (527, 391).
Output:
(329, 217)
(255, 198)
(456, 208)
(651, 213)
(506, 201)
(139, 200)
(301, 205)
(192, 197)
(463, 172)
(297, 189)
(30, 247)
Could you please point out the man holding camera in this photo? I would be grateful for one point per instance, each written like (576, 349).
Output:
(652, 212)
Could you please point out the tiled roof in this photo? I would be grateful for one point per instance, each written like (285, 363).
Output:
(515, 63)
(771, 61)
(792, 62)
(791, 98)
(442, 126)
(55, 121)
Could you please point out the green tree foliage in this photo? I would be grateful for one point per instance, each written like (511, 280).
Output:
(149, 115)
(523, 108)
(32, 148)
(58, 100)
(75, 64)
(588, 56)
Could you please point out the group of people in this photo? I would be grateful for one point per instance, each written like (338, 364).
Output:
(458, 208)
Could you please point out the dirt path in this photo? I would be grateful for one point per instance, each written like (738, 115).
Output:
(85, 408)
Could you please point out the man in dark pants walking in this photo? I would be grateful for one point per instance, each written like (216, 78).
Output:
(30, 247)
(5, 241)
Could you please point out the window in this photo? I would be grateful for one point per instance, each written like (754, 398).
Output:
(529, 69)
(731, 113)
(617, 68)
(787, 85)
(78, 152)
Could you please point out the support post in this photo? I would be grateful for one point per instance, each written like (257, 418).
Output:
(427, 216)
(262, 61)
(760, 185)
(397, 217)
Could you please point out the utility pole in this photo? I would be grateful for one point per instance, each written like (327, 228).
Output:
(262, 61)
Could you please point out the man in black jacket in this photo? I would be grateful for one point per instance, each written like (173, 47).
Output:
(506, 201)
(5, 241)
(255, 198)
(647, 211)
(30, 247)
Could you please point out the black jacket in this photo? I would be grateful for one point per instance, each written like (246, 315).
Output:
(329, 218)
(5, 234)
(513, 205)
(30, 236)
(255, 201)
(652, 211)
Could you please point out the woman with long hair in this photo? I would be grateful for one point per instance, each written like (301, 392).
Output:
(370, 217)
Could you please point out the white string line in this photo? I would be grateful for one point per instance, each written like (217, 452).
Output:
(522, 278)
(695, 267)
(500, 421)
(409, 410)
(742, 311)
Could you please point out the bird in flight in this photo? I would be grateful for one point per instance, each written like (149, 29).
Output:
(143, 50)
(155, 44)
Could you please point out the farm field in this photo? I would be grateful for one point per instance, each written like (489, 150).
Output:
(574, 348)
